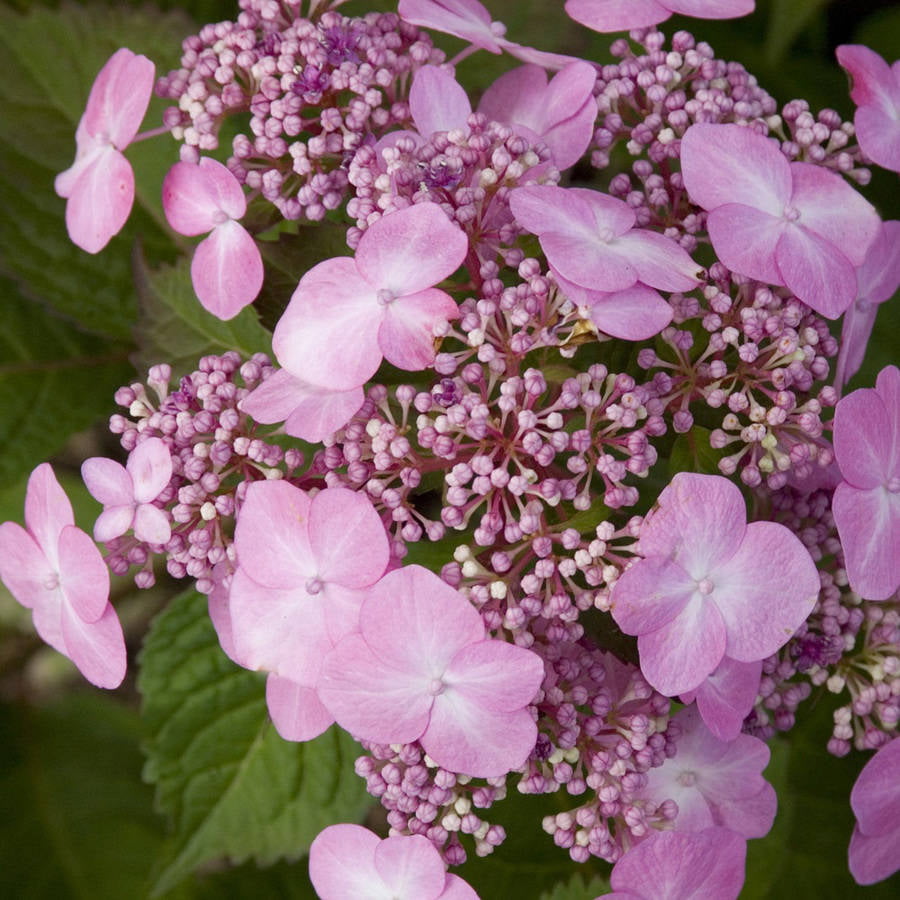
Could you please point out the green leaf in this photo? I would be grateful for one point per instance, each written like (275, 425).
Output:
(787, 19)
(176, 329)
(51, 58)
(578, 888)
(54, 381)
(692, 452)
(75, 819)
(229, 785)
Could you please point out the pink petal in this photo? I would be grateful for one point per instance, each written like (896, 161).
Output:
(875, 797)
(873, 858)
(745, 240)
(100, 200)
(878, 135)
(650, 594)
(727, 696)
(108, 481)
(868, 523)
(98, 648)
(227, 270)
(47, 510)
(494, 675)
(342, 863)
(220, 615)
(617, 15)
(372, 699)
(734, 164)
(816, 271)
(150, 468)
(856, 329)
(517, 96)
(762, 606)
(151, 524)
(635, 314)
(411, 250)
(711, 9)
(119, 97)
(296, 711)
(464, 737)
(679, 656)
(864, 441)
(406, 335)
(410, 866)
(332, 310)
(308, 411)
(280, 631)
(670, 865)
(466, 19)
(834, 211)
(589, 262)
(456, 889)
(23, 567)
(84, 578)
(437, 102)
(272, 535)
(347, 537)
(871, 75)
(113, 522)
(196, 198)
(658, 260)
(879, 276)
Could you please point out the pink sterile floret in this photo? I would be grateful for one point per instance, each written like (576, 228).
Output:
(349, 862)
(709, 585)
(866, 503)
(671, 865)
(876, 281)
(470, 21)
(349, 312)
(876, 92)
(127, 492)
(99, 186)
(602, 261)
(309, 412)
(624, 15)
(783, 223)
(227, 268)
(715, 782)
(302, 565)
(55, 570)
(875, 798)
(421, 668)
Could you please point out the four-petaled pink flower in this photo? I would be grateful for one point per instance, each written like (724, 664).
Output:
(350, 312)
(866, 503)
(624, 15)
(875, 845)
(673, 865)
(302, 565)
(54, 569)
(602, 261)
(127, 492)
(349, 862)
(422, 668)
(715, 782)
(709, 585)
(876, 92)
(783, 223)
(227, 268)
(99, 186)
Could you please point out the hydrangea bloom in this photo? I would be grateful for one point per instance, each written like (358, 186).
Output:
(671, 865)
(866, 504)
(127, 492)
(382, 301)
(421, 668)
(349, 862)
(55, 570)
(876, 92)
(793, 224)
(301, 564)
(876, 281)
(600, 259)
(99, 186)
(709, 585)
(875, 798)
(227, 268)
(715, 782)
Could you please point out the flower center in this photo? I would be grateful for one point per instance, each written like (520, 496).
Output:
(687, 778)
(606, 235)
(313, 586)
(51, 582)
(791, 213)
(385, 296)
(705, 586)
(436, 687)
(893, 484)
(220, 216)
